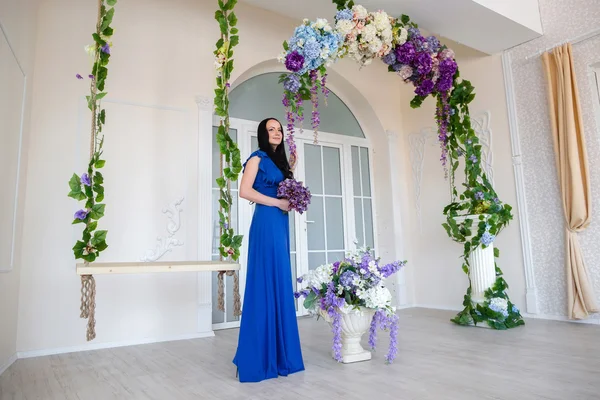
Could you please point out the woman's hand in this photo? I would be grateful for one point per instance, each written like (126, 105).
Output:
(283, 204)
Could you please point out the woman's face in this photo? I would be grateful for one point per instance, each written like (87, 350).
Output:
(275, 133)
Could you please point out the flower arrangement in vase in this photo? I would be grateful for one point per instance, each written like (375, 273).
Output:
(349, 294)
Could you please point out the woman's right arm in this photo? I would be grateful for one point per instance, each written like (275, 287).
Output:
(247, 191)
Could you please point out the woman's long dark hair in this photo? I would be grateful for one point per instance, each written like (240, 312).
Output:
(278, 156)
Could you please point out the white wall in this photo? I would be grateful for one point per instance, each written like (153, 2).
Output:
(17, 21)
(160, 63)
(438, 280)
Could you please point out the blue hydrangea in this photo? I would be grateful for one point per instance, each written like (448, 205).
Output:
(390, 58)
(487, 238)
(311, 43)
(292, 83)
(344, 14)
(515, 309)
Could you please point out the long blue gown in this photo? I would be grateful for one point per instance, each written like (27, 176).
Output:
(268, 343)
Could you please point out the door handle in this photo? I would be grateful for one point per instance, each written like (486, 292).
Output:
(309, 222)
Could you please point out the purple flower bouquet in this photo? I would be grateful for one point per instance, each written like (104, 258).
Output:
(296, 193)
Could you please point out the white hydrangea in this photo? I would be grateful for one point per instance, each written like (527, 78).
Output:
(376, 297)
(381, 20)
(344, 27)
(319, 276)
(320, 23)
(360, 12)
(499, 303)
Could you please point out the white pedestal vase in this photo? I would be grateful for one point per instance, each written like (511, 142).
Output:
(354, 325)
(482, 270)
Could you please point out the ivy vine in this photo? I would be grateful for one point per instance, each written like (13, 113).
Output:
(89, 186)
(231, 164)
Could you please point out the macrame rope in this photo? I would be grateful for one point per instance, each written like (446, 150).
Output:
(88, 304)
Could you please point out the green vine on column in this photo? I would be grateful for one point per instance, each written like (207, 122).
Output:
(89, 186)
(231, 164)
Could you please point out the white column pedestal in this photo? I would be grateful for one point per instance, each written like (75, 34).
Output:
(482, 271)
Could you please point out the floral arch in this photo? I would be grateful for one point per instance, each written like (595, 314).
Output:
(475, 215)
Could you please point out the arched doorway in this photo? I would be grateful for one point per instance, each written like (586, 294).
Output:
(338, 170)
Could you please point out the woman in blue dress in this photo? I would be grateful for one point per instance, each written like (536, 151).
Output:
(268, 343)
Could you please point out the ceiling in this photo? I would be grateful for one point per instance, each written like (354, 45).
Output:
(489, 26)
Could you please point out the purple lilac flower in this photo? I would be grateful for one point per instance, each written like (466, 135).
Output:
(424, 63)
(405, 54)
(81, 214)
(91, 76)
(344, 14)
(373, 329)
(106, 48)
(315, 120)
(496, 200)
(292, 83)
(294, 61)
(78, 76)
(389, 58)
(296, 193)
(419, 43)
(473, 159)
(392, 323)
(337, 333)
(479, 196)
(324, 88)
(390, 269)
(299, 280)
(460, 152)
(425, 88)
(487, 238)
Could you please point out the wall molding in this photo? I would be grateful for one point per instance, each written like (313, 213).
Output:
(19, 155)
(166, 244)
(417, 143)
(481, 125)
(401, 287)
(511, 105)
(205, 192)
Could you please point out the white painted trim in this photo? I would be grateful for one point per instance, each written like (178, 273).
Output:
(401, 292)
(204, 245)
(10, 361)
(110, 345)
(511, 105)
(19, 154)
(594, 75)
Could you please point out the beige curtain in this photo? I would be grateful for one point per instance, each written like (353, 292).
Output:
(573, 174)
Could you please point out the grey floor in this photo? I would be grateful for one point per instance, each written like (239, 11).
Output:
(436, 360)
